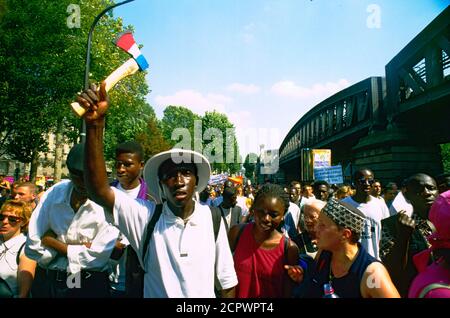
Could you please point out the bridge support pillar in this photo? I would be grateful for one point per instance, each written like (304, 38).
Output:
(395, 154)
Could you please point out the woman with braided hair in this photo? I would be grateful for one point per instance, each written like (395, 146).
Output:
(260, 251)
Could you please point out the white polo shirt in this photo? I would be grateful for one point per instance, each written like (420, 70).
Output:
(8, 261)
(181, 259)
(87, 225)
(374, 210)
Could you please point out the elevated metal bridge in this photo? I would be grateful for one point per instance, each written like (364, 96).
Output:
(393, 124)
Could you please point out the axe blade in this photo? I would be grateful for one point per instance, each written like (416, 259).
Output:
(126, 42)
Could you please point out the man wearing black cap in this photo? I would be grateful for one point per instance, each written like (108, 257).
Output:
(178, 248)
(70, 239)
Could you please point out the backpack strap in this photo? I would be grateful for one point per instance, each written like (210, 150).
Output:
(430, 287)
(216, 218)
(223, 216)
(18, 253)
(150, 228)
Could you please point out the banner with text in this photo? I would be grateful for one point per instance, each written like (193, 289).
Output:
(331, 174)
(321, 158)
(218, 178)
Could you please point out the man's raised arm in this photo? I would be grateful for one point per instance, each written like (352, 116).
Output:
(95, 177)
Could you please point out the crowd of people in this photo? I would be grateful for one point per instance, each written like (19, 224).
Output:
(160, 230)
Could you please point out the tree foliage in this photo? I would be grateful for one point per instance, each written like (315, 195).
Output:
(152, 139)
(178, 117)
(42, 64)
(213, 135)
(229, 159)
(30, 83)
(42, 67)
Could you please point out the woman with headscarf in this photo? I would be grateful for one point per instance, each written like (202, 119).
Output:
(342, 263)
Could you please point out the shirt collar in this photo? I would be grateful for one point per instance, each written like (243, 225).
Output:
(65, 198)
(13, 241)
(170, 217)
(66, 191)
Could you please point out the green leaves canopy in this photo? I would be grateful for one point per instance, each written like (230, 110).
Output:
(213, 135)
(42, 64)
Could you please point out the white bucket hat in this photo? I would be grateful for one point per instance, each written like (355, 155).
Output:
(178, 156)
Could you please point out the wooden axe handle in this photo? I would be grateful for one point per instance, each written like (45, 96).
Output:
(128, 68)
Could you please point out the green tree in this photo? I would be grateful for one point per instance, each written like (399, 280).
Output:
(151, 139)
(176, 119)
(125, 123)
(213, 135)
(31, 80)
(42, 67)
(220, 143)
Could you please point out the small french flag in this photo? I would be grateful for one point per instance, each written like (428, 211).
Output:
(126, 42)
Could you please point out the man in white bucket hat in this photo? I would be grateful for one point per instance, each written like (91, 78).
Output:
(183, 257)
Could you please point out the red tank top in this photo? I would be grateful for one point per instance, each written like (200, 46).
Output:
(260, 272)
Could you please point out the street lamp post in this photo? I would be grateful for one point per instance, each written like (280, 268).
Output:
(88, 56)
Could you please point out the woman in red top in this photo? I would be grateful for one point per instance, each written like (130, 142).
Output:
(260, 251)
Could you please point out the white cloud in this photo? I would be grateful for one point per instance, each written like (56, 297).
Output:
(197, 102)
(317, 91)
(243, 88)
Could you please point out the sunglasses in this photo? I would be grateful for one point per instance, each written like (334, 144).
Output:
(13, 220)
(363, 181)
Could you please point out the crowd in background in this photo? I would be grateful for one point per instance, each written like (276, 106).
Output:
(395, 240)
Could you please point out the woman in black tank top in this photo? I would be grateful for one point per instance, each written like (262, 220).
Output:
(346, 286)
(342, 262)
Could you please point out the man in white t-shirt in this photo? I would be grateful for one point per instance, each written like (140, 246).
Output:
(126, 279)
(372, 208)
(241, 201)
(292, 216)
(182, 257)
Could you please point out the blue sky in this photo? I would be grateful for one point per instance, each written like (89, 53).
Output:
(265, 63)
